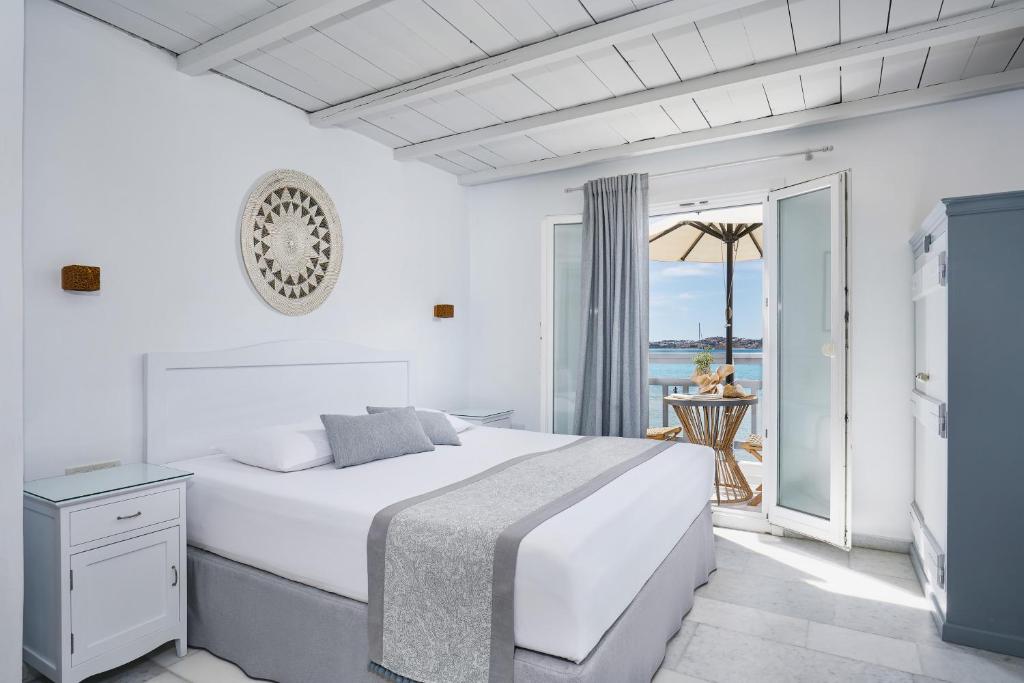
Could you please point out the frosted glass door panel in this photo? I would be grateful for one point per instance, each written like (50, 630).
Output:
(804, 352)
(567, 263)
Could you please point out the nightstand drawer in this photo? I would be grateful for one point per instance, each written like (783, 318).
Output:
(124, 515)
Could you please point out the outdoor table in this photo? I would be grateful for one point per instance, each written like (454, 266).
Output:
(712, 421)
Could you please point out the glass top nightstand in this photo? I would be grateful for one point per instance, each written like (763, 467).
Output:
(85, 484)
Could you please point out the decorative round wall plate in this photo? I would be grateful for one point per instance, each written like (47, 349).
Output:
(291, 241)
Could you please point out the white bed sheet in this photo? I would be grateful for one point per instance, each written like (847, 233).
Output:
(576, 572)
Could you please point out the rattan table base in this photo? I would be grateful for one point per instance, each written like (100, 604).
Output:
(715, 425)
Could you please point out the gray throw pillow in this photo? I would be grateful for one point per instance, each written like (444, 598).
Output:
(358, 439)
(439, 430)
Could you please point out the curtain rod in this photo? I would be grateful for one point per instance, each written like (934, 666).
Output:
(808, 154)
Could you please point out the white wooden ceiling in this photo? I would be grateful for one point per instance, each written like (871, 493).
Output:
(489, 89)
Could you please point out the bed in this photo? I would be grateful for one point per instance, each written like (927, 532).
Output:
(278, 562)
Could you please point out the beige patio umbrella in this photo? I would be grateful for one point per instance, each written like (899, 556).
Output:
(697, 241)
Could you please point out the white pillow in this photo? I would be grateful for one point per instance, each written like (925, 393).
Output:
(457, 423)
(283, 448)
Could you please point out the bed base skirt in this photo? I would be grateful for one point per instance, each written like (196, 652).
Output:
(281, 630)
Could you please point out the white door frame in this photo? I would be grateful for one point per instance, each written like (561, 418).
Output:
(547, 314)
(834, 530)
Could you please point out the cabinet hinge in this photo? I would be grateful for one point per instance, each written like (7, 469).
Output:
(943, 270)
(846, 317)
(943, 421)
(927, 243)
(72, 643)
(71, 579)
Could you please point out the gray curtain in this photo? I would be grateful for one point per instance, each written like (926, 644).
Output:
(611, 390)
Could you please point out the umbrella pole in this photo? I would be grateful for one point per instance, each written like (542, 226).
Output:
(728, 306)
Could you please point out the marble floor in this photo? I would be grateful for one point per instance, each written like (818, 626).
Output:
(777, 609)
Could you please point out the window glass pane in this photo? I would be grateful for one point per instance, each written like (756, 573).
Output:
(804, 369)
(567, 284)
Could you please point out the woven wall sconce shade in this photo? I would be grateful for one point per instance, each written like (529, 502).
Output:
(444, 311)
(80, 278)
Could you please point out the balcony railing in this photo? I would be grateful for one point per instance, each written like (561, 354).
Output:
(676, 382)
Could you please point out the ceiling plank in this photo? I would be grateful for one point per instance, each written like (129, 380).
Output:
(826, 59)
(627, 27)
(262, 31)
(947, 92)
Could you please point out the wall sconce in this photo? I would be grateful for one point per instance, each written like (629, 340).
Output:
(444, 311)
(80, 278)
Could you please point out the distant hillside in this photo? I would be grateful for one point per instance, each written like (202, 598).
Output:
(715, 343)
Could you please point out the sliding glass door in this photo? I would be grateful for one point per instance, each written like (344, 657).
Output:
(807, 321)
(566, 241)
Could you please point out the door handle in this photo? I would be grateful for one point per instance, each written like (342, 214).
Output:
(923, 376)
(137, 514)
(175, 570)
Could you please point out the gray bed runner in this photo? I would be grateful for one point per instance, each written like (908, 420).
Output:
(441, 566)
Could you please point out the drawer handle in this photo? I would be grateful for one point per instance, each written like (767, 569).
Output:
(175, 570)
(923, 376)
(137, 514)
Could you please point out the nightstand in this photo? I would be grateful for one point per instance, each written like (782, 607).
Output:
(485, 417)
(105, 575)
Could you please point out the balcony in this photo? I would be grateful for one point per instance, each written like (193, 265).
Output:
(670, 372)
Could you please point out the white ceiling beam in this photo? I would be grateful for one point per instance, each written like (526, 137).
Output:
(262, 31)
(935, 94)
(939, 32)
(634, 25)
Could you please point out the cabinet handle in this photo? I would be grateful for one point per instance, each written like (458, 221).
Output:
(137, 514)
(923, 376)
(175, 570)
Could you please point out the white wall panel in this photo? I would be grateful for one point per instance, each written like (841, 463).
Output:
(946, 62)
(342, 58)
(409, 124)
(785, 94)
(641, 124)
(860, 80)
(519, 18)
(270, 85)
(648, 61)
(815, 23)
(456, 112)
(432, 29)
(992, 53)
(685, 114)
(614, 72)
(565, 83)
(726, 39)
(579, 137)
(519, 149)
(769, 31)
(477, 24)
(686, 50)
(821, 87)
(507, 98)
(562, 15)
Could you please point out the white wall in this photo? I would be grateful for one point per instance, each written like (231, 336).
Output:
(902, 164)
(11, 53)
(138, 169)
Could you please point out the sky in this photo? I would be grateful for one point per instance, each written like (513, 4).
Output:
(685, 294)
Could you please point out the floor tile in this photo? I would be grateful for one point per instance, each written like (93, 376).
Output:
(886, 617)
(881, 562)
(167, 656)
(958, 664)
(797, 599)
(750, 620)
(677, 646)
(670, 676)
(725, 656)
(866, 647)
(203, 667)
(139, 671)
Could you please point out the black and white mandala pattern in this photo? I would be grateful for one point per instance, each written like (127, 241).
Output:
(291, 241)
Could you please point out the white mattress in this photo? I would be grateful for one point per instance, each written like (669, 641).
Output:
(576, 572)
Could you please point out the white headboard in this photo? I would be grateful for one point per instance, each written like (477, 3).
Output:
(191, 398)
